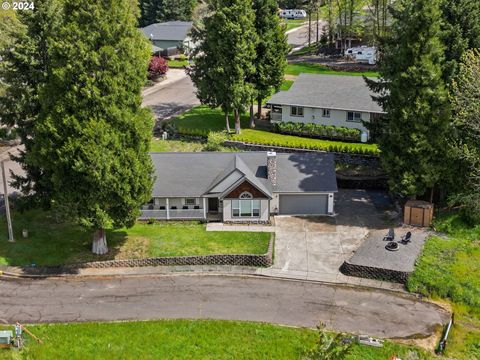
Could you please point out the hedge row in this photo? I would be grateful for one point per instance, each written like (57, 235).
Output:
(318, 131)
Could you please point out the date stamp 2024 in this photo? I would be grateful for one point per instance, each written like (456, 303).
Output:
(18, 5)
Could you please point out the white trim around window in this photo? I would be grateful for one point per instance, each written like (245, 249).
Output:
(354, 116)
(245, 208)
(190, 201)
(296, 111)
(326, 113)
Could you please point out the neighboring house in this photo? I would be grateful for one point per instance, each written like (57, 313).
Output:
(169, 35)
(335, 100)
(240, 187)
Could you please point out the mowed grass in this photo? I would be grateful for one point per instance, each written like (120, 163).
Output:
(450, 269)
(54, 243)
(293, 24)
(182, 339)
(312, 68)
(158, 145)
(286, 84)
(201, 119)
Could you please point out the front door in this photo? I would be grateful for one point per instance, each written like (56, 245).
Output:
(212, 204)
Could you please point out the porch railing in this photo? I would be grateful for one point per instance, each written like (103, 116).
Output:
(172, 214)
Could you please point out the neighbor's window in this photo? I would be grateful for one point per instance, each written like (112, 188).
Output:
(246, 208)
(296, 111)
(354, 116)
(326, 113)
(190, 201)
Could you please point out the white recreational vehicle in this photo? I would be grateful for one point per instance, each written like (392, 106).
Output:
(293, 14)
(363, 54)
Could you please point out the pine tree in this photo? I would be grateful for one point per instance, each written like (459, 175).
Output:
(224, 57)
(92, 136)
(413, 95)
(271, 50)
(24, 70)
(154, 11)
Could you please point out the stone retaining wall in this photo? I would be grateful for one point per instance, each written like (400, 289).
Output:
(260, 260)
(374, 273)
(345, 158)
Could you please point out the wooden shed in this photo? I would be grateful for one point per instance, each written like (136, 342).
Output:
(418, 213)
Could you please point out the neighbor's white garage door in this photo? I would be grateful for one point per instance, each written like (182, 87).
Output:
(303, 204)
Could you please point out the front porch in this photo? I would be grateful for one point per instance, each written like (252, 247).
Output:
(181, 209)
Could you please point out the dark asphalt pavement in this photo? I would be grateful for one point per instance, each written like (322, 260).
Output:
(295, 303)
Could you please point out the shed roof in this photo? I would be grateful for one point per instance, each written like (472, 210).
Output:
(339, 92)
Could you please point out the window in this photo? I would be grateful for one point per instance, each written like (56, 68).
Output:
(246, 195)
(296, 111)
(354, 116)
(326, 113)
(190, 201)
(246, 208)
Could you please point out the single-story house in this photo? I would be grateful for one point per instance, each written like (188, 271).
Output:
(168, 35)
(240, 187)
(336, 100)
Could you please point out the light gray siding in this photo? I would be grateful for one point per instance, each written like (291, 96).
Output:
(309, 204)
(264, 212)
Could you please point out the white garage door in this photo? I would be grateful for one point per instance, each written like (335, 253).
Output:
(303, 204)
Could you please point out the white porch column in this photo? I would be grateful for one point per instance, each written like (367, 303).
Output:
(330, 203)
(204, 209)
(168, 209)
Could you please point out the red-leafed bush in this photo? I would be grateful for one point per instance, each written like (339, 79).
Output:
(158, 66)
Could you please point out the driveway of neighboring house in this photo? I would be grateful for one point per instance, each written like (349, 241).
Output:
(314, 248)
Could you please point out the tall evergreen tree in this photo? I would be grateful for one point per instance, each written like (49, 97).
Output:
(224, 57)
(271, 50)
(24, 70)
(92, 136)
(413, 95)
(153, 11)
(461, 31)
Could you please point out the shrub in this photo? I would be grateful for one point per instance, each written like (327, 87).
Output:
(318, 131)
(215, 141)
(158, 66)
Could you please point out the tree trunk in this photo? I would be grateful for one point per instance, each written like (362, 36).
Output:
(99, 245)
(237, 121)
(259, 108)
(252, 117)
(227, 123)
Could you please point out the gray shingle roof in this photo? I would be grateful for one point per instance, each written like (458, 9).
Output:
(329, 92)
(196, 174)
(171, 30)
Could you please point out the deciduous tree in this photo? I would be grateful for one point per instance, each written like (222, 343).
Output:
(154, 11)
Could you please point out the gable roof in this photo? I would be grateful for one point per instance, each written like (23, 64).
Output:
(216, 173)
(171, 30)
(338, 92)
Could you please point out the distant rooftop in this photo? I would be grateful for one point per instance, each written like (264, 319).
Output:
(170, 30)
(338, 92)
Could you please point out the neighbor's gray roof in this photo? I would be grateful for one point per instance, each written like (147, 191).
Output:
(328, 91)
(197, 174)
(171, 30)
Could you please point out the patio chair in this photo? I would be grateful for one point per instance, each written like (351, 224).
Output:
(406, 238)
(390, 235)
(196, 207)
(185, 207)
(162, 208)
(173, 208)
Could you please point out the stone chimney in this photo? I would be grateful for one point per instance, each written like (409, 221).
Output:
(272, 167)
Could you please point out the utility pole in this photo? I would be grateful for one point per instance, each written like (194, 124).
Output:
(7, 204)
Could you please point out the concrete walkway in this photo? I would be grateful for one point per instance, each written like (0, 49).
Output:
(295, 303)
(247, 228)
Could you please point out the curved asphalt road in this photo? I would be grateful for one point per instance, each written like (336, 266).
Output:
(294, 303)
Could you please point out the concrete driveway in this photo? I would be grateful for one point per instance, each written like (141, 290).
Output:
(314, 248)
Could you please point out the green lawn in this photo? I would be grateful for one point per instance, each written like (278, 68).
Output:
(450, 269)
(292, 24)
(182, 339)
(178, 63)
(158, 145)
(286, 84)
(54, 243)
(312, 68)
(200, 120)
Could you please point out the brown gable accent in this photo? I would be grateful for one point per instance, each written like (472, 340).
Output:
(246, 186)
